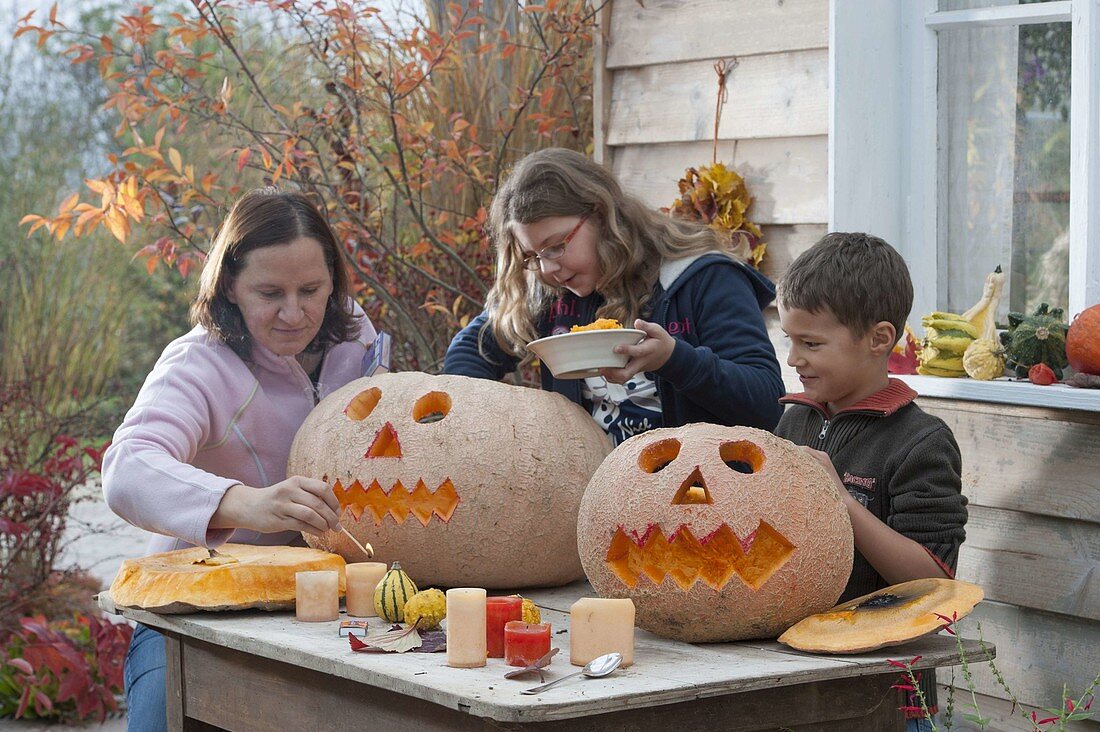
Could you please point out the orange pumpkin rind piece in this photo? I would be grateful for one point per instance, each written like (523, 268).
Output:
(262, 577)
(890, 616)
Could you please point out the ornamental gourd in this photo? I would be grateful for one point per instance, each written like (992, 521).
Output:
(392, 593)
(1083, 341)
(984, 358)
(468, 482)
(716, 533)
(426, 609)
(1036, 338)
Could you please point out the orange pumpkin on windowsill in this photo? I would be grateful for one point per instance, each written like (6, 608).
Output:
(716, 533)
(467, 482)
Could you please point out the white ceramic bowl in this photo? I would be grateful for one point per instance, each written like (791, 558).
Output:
(582, 354)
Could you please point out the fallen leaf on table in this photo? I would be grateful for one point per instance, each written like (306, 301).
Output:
(400, 639)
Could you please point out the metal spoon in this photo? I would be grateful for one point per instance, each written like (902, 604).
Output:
(598, 667)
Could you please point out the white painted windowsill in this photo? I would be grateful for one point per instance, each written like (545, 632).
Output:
(1006, 391)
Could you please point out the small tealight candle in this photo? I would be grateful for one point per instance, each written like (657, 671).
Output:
(363, 577)
(466, 627)
(317, 595)
(498, 611)
(598, 626)
(525, 643)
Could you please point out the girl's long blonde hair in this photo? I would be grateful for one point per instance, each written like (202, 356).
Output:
(634, 241)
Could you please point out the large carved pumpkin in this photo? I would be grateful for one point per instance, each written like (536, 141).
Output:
(716, 533)
(464, 481)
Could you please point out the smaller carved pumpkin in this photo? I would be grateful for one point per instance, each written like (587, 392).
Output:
(716, 533)
(886, 617)
(240, 576)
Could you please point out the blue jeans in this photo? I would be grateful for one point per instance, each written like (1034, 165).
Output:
(146, 710)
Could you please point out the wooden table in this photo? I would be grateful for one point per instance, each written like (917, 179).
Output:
(266, 671)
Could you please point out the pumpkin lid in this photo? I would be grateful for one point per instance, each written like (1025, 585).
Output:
(890, 616)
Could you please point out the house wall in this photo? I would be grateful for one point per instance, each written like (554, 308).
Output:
(1031, 474)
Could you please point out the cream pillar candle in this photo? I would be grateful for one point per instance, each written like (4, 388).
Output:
(466, 647)
(317, 595)
(363, 577)
(598, 626)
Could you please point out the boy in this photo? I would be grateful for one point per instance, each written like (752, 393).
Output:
(843, 304)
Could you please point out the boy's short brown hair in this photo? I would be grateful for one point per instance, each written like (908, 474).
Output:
(857, 277)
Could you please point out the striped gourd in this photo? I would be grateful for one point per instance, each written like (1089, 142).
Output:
(391, 594)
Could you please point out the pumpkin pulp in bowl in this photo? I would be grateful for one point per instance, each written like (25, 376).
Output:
(584, 351)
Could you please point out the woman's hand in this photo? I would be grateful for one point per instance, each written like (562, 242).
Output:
(295, 504)
(649, 355)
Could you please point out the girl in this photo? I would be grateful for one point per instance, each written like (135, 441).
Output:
(573, 247)
(200, 458)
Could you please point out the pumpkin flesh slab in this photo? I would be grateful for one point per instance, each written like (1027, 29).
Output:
(887, 617)
(687, 559)
(262, 577)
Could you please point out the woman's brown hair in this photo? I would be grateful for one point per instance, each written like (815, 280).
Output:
(261, 218)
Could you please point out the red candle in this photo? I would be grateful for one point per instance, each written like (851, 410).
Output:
(498, 611)
(525, 643)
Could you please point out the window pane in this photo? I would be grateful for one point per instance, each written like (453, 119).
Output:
(1004, 96)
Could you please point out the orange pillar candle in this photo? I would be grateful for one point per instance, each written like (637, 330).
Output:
(466, 627)
(317, 595)
(598, 626)
(363, 577)
(525, 643)
(498, 611)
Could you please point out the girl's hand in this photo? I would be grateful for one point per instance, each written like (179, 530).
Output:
(295, 504)
(649, 355)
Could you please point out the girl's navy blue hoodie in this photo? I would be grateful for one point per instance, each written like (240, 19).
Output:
(723, 369)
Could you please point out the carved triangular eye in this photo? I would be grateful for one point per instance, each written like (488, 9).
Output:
(432, 407)
(656, 457)
(363, 403)
(693, 490)
(742, 456)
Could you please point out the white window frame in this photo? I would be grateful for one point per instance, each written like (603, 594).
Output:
(883, 151)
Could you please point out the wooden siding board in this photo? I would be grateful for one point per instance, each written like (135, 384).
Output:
(1035, 460)
(787, 177)
(665, 31)
(1033, 561)
(773, 95)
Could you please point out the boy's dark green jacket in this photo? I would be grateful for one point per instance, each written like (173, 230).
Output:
(900, 462)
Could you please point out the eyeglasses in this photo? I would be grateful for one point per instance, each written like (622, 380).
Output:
(533, 262)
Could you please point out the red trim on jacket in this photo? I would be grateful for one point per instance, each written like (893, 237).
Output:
(883, 402)
(947, 570)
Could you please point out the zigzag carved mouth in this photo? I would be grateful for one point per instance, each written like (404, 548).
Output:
(714, 559)
(398, 503)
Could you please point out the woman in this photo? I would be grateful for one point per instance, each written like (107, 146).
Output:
(573, 247)
(200, 459)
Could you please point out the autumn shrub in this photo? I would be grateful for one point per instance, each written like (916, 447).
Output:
(63, 670)
(42, 468)
(399, 128)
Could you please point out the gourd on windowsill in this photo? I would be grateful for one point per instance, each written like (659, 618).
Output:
(1083, 341)
(1036, 338)
(984, 358)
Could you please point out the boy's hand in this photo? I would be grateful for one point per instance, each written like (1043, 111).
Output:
(649, 355)
(827, 463)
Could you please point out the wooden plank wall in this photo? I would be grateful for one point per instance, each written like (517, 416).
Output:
(1032, 475)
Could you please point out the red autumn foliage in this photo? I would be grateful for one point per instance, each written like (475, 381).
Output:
(69, 671)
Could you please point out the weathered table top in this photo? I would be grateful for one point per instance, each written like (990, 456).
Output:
(664, 671)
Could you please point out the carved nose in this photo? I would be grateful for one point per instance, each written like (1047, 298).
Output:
(693, 490)
(385, 443)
